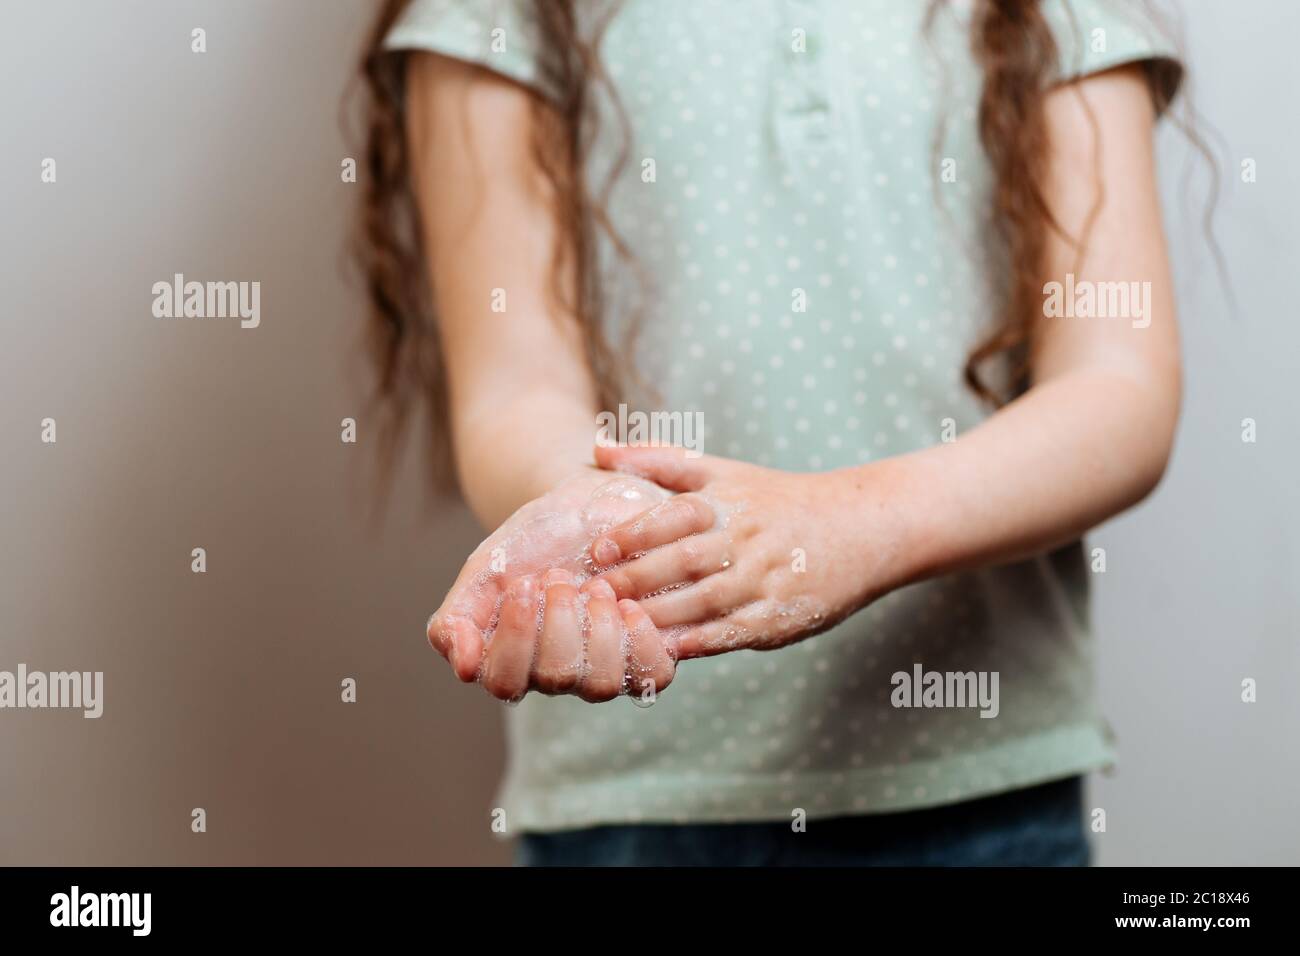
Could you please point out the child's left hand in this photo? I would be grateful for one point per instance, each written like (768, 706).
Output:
(792, 555)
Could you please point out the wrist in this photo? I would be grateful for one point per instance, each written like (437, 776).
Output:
(915, 489)
(495, 485)
(553, 471)
(881, 505)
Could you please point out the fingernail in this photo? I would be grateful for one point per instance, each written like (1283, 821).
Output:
(558, 576)
(606, 551)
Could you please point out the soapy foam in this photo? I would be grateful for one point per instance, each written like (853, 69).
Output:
(532, 539)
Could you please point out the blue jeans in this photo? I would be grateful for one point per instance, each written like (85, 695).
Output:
(1037, 826)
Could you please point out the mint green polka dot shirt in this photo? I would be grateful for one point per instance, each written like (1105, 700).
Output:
(821, 153)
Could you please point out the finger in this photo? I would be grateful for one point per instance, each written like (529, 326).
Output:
(557, 668)
(474, 596)
(510, 651)
(664, 523)
(682, 562)
(456, 629)
(440, 634)
(649, 667)
(710, 638)
(671, 467)
(603, 671)
(704, 600)
(461, 642)
(441, 631)
(759, 625)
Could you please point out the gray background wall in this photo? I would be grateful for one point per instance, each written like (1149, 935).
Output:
(222, 688)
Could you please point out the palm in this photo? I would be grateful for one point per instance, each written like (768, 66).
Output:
(554, 531)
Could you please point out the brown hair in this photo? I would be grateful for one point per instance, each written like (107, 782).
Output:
(1011, 41)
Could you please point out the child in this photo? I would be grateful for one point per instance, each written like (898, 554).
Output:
(827, 226)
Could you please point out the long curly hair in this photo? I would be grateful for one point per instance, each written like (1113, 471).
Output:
(1012, 44)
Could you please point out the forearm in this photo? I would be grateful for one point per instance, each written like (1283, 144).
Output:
(1093, 435)
(1069, 454)
(510, 452)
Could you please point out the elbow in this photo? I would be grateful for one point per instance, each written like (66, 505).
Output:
(1155, 438)
(1149, 474)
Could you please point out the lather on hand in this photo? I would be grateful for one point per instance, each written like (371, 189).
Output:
(524, 613)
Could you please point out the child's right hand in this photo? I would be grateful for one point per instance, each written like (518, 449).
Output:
(554, 532)
(584, 643)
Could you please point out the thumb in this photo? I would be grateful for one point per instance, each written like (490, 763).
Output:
(669, 466)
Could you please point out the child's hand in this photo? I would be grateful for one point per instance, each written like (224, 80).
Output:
(553, 532)
(584, 643)
(792, 555)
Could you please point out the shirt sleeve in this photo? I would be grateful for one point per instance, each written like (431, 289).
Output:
(501, 35)
(1096, 35)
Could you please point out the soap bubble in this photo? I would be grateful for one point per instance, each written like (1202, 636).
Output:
(646, 698)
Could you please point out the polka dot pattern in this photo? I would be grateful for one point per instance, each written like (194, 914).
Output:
(815, 287)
